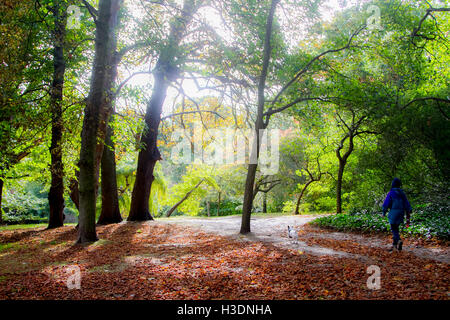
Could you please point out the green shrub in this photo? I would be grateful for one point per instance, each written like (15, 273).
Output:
(227, 207)
(288, 206)
(23, 219)
(428, 222)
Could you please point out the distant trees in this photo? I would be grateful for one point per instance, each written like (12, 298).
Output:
(23, 86)
(352, 130)
(373, 88)
(280, 101)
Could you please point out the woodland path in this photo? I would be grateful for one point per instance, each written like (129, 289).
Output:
(206, 258)
(274, 230)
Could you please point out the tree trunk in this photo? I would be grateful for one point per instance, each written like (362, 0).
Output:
(110, 212)
(339, 187)
(183, 199)
(94, 112)
(297, 206)
(110, 199)
(342, 162)
(149, 154)
(264, 202)
(1, 191)
(218, 204)
(165, 72)
(108, 110)
(207, 208)
(74, 192)
(248, 198)
(56, 193)
(259, 124)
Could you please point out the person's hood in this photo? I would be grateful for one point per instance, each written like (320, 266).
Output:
(396, 183)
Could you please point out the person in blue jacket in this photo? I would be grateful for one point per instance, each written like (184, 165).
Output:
(398, 204)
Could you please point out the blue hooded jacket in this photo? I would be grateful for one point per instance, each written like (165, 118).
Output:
(398, 203)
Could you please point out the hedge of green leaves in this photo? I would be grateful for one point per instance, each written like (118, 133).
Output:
(428, 222)
(23, 219)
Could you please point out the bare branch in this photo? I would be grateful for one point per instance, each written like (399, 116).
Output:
(415, 32)
(123, 83)
(188, 112)
(92, 11)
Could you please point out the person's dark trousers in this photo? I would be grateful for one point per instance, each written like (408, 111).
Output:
(395, 233)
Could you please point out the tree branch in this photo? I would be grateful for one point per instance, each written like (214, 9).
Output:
(187, 112)
(92, 11)
(124, 82)
(425, 99)
(306, 67)
(272, 111)
(415, 32)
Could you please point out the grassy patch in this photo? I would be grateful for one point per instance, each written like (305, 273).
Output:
(54, 243)
(28, 226)
(102, 242)
(22, 226)
(102, 268)
(11, 245)
(105, 268)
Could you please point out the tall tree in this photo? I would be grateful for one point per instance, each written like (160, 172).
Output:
(259, 123)
(95, 113)
(167, 69)
(277, 104)
(110, 212)
(56, 193)
(351, 130)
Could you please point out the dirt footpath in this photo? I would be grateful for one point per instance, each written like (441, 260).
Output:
(274, 230)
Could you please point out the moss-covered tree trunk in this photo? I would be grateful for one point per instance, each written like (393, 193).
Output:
(94, 113)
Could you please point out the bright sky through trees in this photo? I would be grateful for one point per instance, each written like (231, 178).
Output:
(293, 33)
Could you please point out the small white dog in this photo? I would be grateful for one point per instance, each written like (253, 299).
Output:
(292, 234)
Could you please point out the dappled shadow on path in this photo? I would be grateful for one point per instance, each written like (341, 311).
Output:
(9, 236)
(155, 260)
